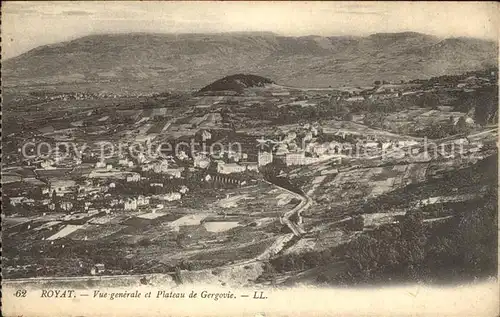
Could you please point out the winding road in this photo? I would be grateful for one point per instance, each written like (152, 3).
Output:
(305, 202)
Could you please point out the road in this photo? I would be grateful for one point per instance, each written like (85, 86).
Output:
(305, 203)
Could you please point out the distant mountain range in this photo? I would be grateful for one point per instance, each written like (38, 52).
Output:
(190, 61)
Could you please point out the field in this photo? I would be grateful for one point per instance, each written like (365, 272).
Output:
(227, 231)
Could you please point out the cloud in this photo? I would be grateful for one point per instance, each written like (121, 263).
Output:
(359, 12)
(18, 10)
(76, 12)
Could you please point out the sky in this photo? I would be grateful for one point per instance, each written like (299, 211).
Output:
(26, 25)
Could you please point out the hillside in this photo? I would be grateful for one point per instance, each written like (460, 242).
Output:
(237, 83)
(189, 61)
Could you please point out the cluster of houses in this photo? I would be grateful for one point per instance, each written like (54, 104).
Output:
(309, 151)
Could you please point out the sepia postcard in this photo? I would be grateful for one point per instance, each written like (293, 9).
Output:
(253, 159)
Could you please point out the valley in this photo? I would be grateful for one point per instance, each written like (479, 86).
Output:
(251, 178)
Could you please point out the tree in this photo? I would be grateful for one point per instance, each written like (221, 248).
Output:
(461, 125)
(348, 117)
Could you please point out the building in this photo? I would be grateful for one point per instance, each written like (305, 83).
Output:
(182, 156)
(141, 159)
(282, 149)
(314, 131)
(97, 269)
(134, 177)
(170, 196)
(161, 167)
(371, 144)
(228, 168)
(295, 158)
(142, 201)
(251, 166)
(205, 135)
(264, 158)
(201, 161)
(184, 189)
(125, 163)
(66, 205)
(62, 187)
(14, 201)
(47, 164)
(320, 149)
(234, 155)
(130, 204)
(175, 172)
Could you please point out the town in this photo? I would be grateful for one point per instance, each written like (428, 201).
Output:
(232, 175)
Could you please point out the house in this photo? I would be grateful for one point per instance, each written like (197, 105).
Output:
(182, 156)
(228, 168)
(371, 144)
(184, 189)
(175, 172)
(169, 196)
(161, 167)
(295, 158)
(29, 201)
(130, 204)
(141, 158)
(282, 149)
(97, 269)
(355, 98)
(201, 161)
(134, 178)
(314, 131)
(264, 158)
(320, 149)
(62, 187)
(125, 163)
(234, 155)
(66, 205)
(14, 201)
(47, 164)
(251, 166)
(142, 200)
(147, 167)
(205, 135)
